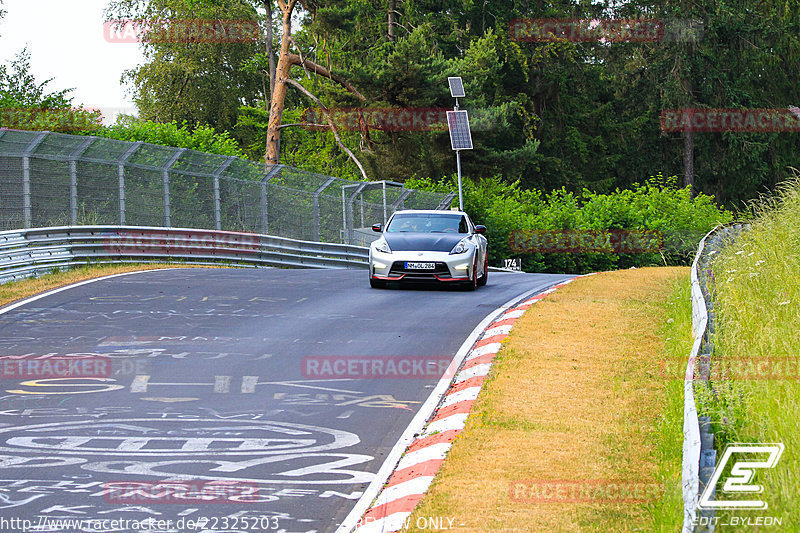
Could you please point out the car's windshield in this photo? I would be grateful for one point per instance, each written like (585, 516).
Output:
(428, 223)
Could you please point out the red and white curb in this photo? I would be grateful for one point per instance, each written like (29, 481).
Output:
(424, 456)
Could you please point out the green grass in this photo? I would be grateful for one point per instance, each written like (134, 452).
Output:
(677, 334)
(666, 513)
(757, 279)
(17, 290)
(578, 393)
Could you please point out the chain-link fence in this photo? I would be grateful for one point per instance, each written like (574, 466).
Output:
(53, 179)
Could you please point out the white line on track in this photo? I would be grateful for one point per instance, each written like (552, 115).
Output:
(26, 301)
(424, 413)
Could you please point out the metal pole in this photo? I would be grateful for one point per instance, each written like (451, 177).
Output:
(27, 211)
(400, 202)
(344, 216)
(316, 206)
(121, 177)
(26, 192)
(460, 194)
(121, 180)
(73, 192)
(217, 206)
(445, 204)
(167, 212)
(361, 203)
(264, 213)
(73, 179)
(350, 217)
(165, 180)
(384, 202)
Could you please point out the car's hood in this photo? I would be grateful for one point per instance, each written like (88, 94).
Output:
(423, 242)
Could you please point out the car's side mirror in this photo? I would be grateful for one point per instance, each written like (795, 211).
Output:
(377, 228)
(480, 229)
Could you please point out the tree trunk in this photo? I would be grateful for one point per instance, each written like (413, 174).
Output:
(286, 61)
(688, 160)
(270, 52)
(392, 9)
(688, 134)
(278, 100)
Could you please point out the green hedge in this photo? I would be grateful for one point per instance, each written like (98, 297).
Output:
(660, 218)
(201, 138)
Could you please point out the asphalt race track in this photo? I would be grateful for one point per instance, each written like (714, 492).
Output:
(225, 383)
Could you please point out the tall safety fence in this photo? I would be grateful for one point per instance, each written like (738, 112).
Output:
(53, 179)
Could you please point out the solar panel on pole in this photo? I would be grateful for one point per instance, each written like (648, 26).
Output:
(456, 87)
(460, 135)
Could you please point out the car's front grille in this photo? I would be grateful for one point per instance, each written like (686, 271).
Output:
(399, 269)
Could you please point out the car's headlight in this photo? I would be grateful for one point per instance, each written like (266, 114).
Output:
(460, 248)
(382, 246)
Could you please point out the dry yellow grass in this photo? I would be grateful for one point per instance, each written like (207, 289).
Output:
(11, 292)
(575, 394)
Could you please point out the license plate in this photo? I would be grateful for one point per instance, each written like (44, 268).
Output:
(420, 266)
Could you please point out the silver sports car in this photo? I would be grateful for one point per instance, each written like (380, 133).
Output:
(418, 245)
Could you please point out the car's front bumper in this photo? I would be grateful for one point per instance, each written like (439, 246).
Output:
(449, 268)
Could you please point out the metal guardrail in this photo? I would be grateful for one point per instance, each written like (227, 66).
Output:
(699, 456)
(690, 477)
(31, 252)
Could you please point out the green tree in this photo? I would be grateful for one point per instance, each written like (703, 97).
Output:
(27, 104)
(187, 79)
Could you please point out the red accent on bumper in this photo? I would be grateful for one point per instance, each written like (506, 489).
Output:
(450, 279)
(388, 278)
